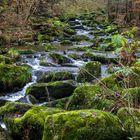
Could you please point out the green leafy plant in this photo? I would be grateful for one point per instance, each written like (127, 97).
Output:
(128, 46)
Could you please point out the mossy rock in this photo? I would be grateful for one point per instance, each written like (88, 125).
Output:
(106, 47)
(89, 71)
(3, 40)
(14, 54)
(66, 42)
(60, 59)
(43, 62)
(91, 96)
(52, 90)
(26, 51)
(86, 48)
(75, 56)
(78, 38)
(117, 81)
(59, 103)
(56, 76)
(130, 118)
(132, 95)
(13, 77)
(99, 58)
(5, 60)
(30, 125)
(112, 82)
(12, 108)
(38, 91)
(69, 31)
(83, 124)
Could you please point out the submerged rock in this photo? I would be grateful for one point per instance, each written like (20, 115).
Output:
(52, 90)
(89, 72)
(83, 124)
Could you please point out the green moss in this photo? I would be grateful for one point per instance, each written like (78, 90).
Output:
(52, 90)
(69, 31)
(83, 124)
(89, 71)
(78, 38)
(12, 108)
(61, 89)
(86, 48)
(90, 96)
(5, 60)
(38, 91)
(60, 59)
(13, 77)
(66, 42)
(132, 95)
(111, 83)
(56, 76)
(75, 56)
(26, 51)
(30, 125)
(14, 53)
(98, 58)
(60, 103)
(130, 119)
(3, 40)
(137, 64)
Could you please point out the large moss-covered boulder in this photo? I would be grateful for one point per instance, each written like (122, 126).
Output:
(29, 124)
(130, 118)
(89, 71)
(91, 96)
(56, 76)
(13, 77)
(83, 125)
(52, 90)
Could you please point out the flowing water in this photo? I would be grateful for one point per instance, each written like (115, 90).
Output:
(37, 69)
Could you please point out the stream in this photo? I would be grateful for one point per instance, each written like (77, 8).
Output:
(34, 62)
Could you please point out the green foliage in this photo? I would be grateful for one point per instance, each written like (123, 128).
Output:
(119, 41)
(14, 53)
(49, 47)
(13, 77)
(125, 71)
